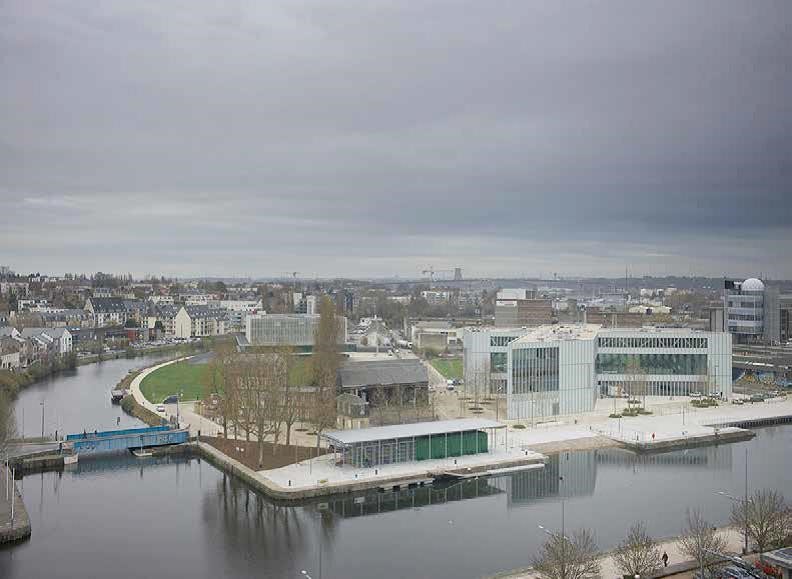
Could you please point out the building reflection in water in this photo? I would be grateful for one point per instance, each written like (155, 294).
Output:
(374, 503)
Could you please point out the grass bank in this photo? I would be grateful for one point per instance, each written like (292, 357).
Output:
(189, 379)
(450, 368)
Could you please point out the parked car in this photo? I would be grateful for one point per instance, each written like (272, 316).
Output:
(738, 401)
(757, 398)
(160, 408)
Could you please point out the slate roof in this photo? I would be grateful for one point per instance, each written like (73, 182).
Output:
(382, 372)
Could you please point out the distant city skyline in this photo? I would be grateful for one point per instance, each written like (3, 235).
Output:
(365, 139)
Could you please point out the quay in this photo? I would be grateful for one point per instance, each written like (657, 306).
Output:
(17, 527)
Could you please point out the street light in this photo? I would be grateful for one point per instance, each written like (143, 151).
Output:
(42, 419)
(744, 501)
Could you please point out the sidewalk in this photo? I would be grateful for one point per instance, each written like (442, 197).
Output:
(19, 528)
(678, 561)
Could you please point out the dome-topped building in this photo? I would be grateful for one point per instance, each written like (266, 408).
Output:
(752, 285)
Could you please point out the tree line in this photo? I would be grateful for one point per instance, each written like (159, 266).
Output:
(764, 518)
(264, 393)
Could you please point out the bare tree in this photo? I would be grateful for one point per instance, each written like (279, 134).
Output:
(636, 382)
(290, 397)
(7, 422)
(562, 557)
(764, 516)
(700, 540)
(638, 553)
(326, 361)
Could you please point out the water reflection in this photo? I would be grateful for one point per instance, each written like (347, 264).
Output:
(377, 503)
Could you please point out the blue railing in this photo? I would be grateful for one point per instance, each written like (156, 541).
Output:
(125, 432)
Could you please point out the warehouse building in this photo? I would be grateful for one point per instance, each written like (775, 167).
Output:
(367, 447)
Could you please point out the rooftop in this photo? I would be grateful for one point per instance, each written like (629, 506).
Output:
(354, 374)
(559, 332)
(410, 430)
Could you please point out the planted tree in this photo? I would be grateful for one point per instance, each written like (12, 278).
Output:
(638, 553)
(700, 540)
(563, 557)
(7, 422)
(326, 361)
(765, 518)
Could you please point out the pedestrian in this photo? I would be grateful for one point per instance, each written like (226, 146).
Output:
(665, 559)
(653, 436)
(118, 420)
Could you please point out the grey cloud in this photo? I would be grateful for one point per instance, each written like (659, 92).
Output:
(377, 137)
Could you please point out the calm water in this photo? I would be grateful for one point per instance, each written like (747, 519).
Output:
(77, 400)
(123, 517)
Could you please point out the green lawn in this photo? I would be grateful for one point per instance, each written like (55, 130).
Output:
(451, 368)
(189, 379)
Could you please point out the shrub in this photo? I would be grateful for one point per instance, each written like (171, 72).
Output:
(519, 426)
(615, 415)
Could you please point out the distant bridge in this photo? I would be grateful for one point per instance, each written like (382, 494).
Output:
(130, 438)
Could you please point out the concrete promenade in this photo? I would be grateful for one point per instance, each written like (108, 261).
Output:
(678, 562)
(17, 529)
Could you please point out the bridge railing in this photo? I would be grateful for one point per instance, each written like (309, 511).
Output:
(124, 432)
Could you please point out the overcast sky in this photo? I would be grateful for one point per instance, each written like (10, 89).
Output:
(369, 138)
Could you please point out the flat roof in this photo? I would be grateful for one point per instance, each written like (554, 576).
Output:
(409, 430)
(559, 332)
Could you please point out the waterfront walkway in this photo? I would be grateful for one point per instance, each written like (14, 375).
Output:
(678, 562)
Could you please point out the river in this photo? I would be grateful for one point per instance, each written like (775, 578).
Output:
(173, 517)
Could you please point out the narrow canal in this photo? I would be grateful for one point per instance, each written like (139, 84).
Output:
(123, 517)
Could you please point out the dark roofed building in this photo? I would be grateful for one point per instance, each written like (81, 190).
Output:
(395, 390)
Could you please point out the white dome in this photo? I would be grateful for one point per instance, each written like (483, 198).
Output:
(752, 285)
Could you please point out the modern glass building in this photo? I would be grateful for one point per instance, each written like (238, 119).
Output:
(366, 447)
(562, 369)
(287, 329)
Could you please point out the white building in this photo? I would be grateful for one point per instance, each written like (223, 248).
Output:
(198, 321)
(56, 340)
(562, 369)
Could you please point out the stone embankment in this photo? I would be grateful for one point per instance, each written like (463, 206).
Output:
(18, 528)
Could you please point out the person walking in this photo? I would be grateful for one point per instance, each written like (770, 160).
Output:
(665, 559)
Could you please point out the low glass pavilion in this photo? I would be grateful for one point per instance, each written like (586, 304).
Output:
(366, 447)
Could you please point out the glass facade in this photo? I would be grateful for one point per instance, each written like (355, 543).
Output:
(678, 364)
(534, 370)
(652, 342)
(499, 361)
(501, 341)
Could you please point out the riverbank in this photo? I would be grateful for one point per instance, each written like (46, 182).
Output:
(679, 562)
(14, 529)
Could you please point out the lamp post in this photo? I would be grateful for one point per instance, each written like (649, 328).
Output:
(744, 502)
(42, 419)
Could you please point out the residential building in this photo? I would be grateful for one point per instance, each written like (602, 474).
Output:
(287, 329)
(199, 321)
(57, 340)
(115, 311)
(9, 353)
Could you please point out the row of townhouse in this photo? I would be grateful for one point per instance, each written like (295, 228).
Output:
(184, 322)
(21, 349)
(115, 311)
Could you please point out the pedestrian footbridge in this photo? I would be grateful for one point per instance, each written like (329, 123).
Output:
(129, 438)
